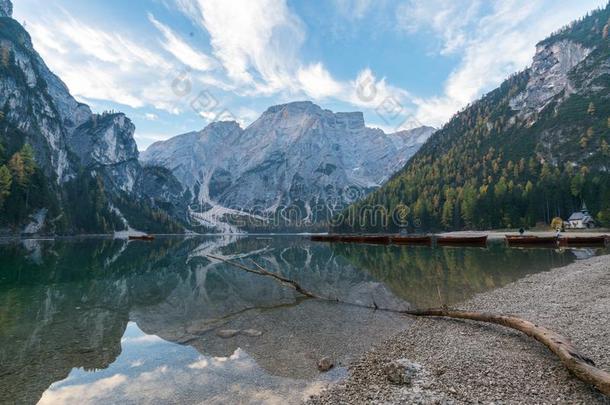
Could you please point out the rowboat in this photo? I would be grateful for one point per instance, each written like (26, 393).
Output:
(324, 238)
(370, 239)
(141, 237)
(462, 240)
(583, 240)
(531, 240)
(411, 240)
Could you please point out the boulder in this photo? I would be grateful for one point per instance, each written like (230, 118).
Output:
(401, 372)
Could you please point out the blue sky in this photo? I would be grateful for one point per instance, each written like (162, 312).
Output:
(175, 65)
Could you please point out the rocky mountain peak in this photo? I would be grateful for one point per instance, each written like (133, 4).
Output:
(295, 112)
(223, 126)
(6, 8)
(295, 155)
(294, 107)
(219, 131)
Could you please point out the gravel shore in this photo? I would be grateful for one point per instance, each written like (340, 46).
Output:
(468, 362)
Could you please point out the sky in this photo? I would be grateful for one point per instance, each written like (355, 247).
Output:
(174, 66)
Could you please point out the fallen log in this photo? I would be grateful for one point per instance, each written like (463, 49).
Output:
(577, 363)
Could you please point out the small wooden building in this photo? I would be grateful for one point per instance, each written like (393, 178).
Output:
(581, 219)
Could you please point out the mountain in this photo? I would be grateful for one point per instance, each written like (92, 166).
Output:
(297, 162)
(64, 169)
(534, 148)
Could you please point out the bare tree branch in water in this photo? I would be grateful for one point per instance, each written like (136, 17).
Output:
(262, 272)
(576, 362)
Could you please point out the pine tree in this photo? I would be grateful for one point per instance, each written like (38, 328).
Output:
(6, 55)
(6, 181)
(447, 216)
(29, 162)
(468, 206)
(605, 148)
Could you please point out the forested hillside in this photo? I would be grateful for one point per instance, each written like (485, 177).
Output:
(535, 148)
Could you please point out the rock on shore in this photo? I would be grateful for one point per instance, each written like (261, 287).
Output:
(469, 362)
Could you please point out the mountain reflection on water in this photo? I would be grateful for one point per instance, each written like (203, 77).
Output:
(97, 320)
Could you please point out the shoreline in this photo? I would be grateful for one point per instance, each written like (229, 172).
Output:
(499, 235)
(466, 362)
(493, 235)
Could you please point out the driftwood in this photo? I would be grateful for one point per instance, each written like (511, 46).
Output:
(580, 365)
(577, 363)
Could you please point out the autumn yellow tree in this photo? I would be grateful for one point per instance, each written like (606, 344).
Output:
(22, 165)
(17, 169)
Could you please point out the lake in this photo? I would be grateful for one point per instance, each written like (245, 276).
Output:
(111, 321)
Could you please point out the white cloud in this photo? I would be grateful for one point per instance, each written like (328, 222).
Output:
(103, 46)
(449, 19)
(144, 140)
(142, 339)
(257, 41)
(369, 92)
(200, 364)
(181, 50)
(85, 393)
(100, 65)
(317, 82)
(246, 116)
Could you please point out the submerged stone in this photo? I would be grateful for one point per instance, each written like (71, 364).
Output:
(227, 333)
(325, 364)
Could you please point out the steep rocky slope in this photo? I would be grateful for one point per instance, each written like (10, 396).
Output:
(296, 164)
(535, 148)
(84, 172)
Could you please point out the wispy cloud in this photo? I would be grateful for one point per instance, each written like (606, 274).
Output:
(450, 20)
(195, 59)
(102, 65)
(257, 41)
(355, 9)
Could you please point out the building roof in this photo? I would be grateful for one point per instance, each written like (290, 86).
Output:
(577, 216)
(581, 216)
